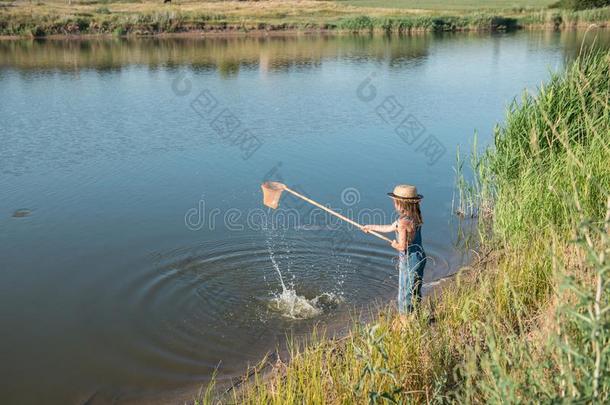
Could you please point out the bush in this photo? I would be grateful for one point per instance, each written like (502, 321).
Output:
(119, 31)
(37, 32)
(581, 4)
(83, 24)
(360, 23)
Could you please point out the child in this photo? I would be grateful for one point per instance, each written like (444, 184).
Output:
(411, 256)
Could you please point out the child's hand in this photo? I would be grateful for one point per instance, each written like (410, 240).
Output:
(366, 228)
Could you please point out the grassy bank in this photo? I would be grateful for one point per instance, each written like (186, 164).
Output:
(530, 320)
(147, 17)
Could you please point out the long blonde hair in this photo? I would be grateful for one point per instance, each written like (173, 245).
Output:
(410, 208)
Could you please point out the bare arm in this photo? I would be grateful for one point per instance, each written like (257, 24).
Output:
(380, 228)
(402, 242)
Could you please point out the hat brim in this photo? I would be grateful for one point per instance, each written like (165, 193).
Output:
(419, 197)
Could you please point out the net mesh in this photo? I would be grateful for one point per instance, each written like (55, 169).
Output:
(272, 191)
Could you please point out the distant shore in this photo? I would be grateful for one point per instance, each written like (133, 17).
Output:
(85, 18)
(289, 32)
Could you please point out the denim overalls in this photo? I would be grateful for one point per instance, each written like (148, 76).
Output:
(411, 265)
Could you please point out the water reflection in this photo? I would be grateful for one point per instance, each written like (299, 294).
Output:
(227, 55)
(269, 54)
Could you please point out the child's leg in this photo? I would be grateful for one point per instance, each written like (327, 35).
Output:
(417, 262)
(420, 274)
(404, 285)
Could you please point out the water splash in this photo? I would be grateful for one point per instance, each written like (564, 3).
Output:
(275, 265)
(292, 305)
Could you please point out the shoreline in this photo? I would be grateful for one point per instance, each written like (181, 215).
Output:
(274, 362)
(203, 34)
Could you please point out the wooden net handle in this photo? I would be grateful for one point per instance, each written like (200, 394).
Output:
(309, 200)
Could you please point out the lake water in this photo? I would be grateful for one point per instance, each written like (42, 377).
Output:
(136, 256)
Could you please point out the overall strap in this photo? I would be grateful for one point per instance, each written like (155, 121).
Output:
(410, 237)
(405, 217)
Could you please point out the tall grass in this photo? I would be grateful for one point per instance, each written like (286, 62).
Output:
(549, 175)
(530, 319)
(473, 22)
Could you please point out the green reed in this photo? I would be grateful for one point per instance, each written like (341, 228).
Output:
(549, 173)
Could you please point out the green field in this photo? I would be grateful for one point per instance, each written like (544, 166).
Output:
(441, 5)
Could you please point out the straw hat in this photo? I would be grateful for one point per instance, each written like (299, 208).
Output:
(405, 192)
